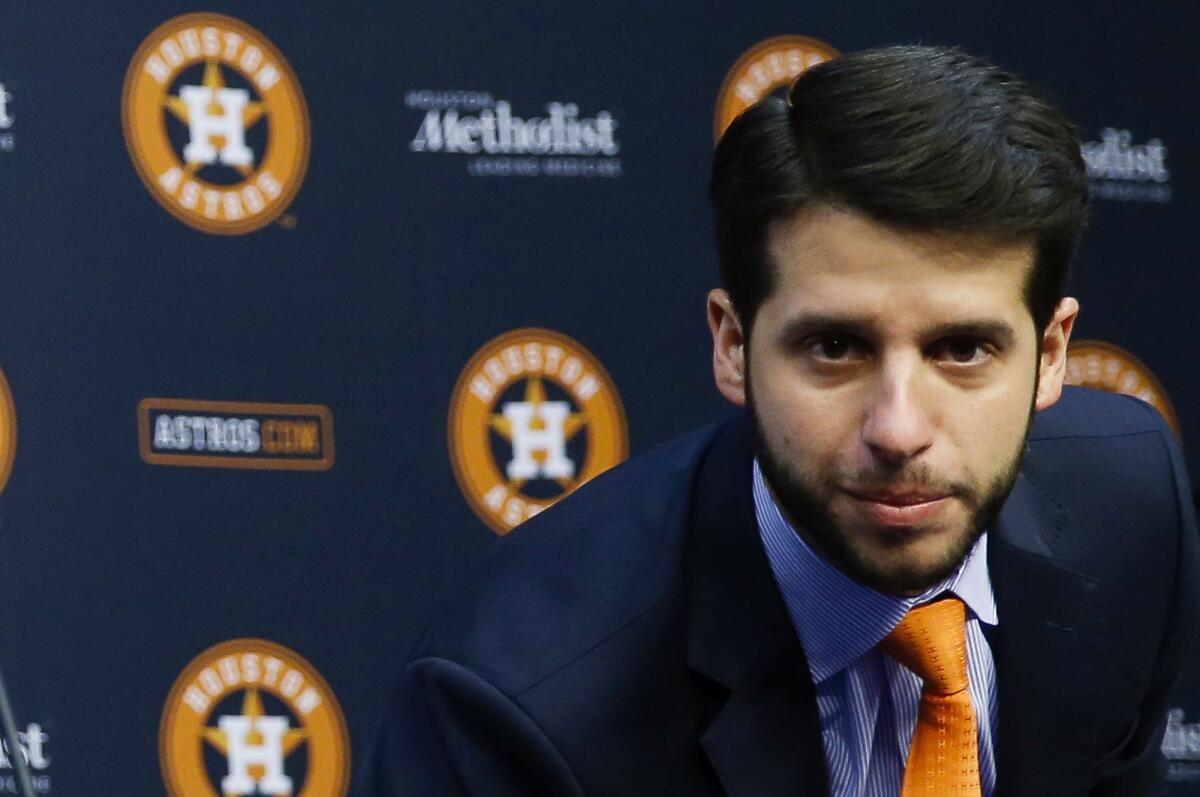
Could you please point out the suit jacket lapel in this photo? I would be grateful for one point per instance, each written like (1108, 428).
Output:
(1040, 607)
(765, 741)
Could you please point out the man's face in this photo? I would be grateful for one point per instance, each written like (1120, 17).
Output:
(892, 378)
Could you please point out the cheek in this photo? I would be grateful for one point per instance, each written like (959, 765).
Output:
(988, 429)
(811, 427)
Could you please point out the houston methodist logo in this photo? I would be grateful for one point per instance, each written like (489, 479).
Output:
(1100, 365)
(533, 416)
(8, 432)
(1181, 747)
(215, 123)
(252, 717)
(33, 745)
(1120, 170)
(765, 67)
(8, 141)
(559, 141)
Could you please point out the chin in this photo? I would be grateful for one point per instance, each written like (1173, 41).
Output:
(913, 566)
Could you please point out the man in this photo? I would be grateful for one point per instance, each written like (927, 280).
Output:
(917, 566)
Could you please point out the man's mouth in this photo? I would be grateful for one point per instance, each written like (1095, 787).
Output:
(897, 506)
(897, 496)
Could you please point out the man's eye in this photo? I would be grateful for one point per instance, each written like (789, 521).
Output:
(964, 351)
(833, 347)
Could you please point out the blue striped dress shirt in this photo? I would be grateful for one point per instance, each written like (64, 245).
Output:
(868, 701)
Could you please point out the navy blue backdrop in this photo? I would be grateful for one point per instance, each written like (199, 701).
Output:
(324, 513)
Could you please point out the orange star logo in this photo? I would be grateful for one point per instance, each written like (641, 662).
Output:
(535, 396)
(262, 752)
(505, 490)
(225, 47)
(214, 81)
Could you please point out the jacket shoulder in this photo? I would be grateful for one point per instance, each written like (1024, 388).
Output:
(1113, 464)
(1105, 454)
(1083, 412)
(575, 575)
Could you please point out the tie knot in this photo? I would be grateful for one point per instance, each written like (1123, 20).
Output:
(931, 641)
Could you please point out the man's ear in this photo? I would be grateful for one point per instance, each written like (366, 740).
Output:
(729, 349)
(1053, 365)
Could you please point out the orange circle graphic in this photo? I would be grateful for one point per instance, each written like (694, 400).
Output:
(534, 425)
(1101, 365)
(766, 66)
(257, 744)
(8, 432)
(215, 119)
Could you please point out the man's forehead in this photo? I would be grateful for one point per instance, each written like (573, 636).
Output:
(838, 269)
(824, 238)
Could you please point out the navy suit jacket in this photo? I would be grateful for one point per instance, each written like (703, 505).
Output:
(632, 640)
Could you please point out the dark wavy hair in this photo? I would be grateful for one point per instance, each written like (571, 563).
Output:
(922, 139)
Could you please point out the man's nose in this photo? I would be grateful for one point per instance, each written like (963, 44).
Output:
(897, 425)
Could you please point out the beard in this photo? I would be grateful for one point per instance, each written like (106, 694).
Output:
(805, 499)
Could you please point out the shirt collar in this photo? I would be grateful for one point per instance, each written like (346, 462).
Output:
(838, 619)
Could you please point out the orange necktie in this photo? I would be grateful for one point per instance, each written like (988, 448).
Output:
(944, 757)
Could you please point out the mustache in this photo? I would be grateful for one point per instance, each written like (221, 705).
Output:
(910, 477)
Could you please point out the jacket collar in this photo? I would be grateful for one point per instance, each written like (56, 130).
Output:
(765, 741)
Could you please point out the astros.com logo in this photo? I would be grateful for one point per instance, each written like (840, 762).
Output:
(765, 67)
(235, 434)
(251, 717)
(533, 416)
(215, 123)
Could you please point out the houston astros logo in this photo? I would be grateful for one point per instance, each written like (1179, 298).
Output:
(765, 67)
(252, 717)
(215, 123)
(1100, 365)
(533, 416)
(8, 432)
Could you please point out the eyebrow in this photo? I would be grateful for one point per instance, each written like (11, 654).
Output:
(805, 324)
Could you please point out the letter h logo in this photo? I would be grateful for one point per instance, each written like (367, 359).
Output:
(267, 755)
(550, 438)
(229, 125)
